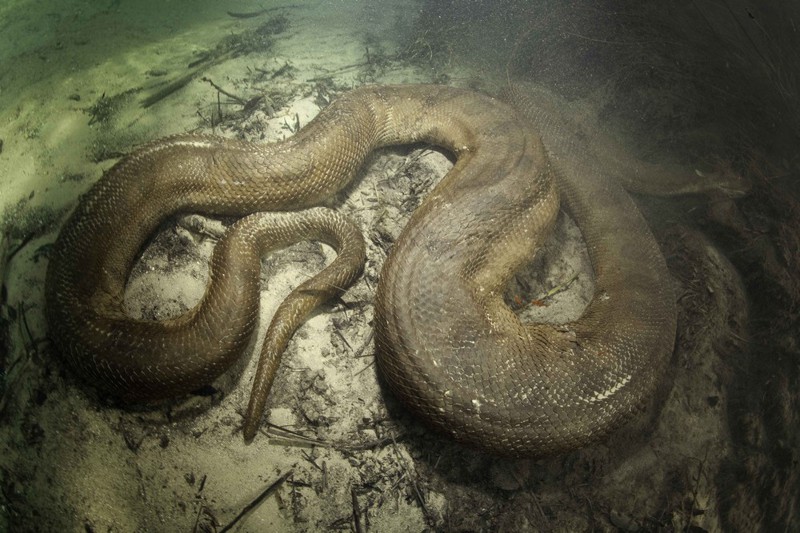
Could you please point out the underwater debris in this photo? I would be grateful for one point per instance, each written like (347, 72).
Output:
(247, 14)
(249, 105)
(255, 40)
(259, 12)
(29, 224)
(101, 110)
(6, 316)
(102, 152)
(517, 301)
(237, 99)
(168, 89)
(257, 501)
(104, 109)
(249, 41)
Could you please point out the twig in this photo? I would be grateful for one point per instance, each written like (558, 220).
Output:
(696, 489)
(302, 440)
(558, 288)
(311, 460)
(341, 70)
(168, 89)
(252, 14)
(7, 252)
(365, 367)
(356, 511)
(280, 72)
(377, 443)
(260, 498)
(5, 257)
(363, 347)
(184, 80)
(413, 481)
(239, 100)
(206, 512)
(539, 508)
(344, 340)
(204, 119)
(246, 14)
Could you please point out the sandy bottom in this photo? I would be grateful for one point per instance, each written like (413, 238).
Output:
(346, 454)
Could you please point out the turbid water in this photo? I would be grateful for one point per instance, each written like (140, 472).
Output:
(86, 83)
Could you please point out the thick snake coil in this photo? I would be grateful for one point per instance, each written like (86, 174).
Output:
(447, 345)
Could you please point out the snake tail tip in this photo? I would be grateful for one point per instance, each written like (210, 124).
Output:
(249, 430)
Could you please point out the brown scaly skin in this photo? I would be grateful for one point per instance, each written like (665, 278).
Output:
(447, 344)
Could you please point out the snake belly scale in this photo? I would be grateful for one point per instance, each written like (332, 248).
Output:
(447, 345)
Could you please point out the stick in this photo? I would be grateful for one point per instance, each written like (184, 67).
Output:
(241, 101)
(356, 510)
(341, 70)
(246, 15)
(251, 14)
(168, 89)
(260, 498)
(182, 81)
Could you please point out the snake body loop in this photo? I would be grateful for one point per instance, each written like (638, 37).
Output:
(447, 345)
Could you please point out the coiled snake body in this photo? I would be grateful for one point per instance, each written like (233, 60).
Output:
(447, 344)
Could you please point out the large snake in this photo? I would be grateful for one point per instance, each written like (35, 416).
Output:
(447, 344)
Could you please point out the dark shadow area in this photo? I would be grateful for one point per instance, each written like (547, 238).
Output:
(692, 82)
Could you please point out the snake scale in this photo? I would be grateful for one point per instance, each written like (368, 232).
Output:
(447, 345)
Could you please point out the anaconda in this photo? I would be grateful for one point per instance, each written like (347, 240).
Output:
(447, 345)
